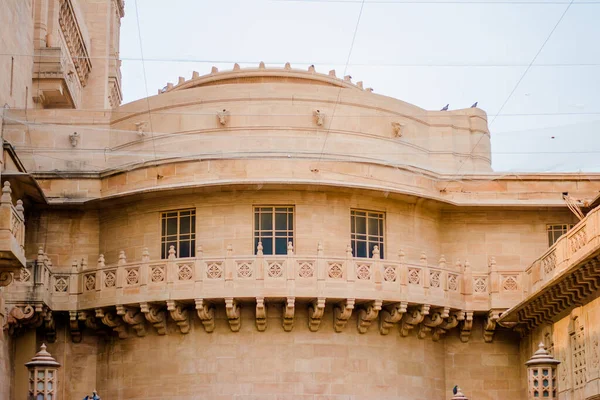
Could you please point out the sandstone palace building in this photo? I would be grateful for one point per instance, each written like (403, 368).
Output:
(272, 233)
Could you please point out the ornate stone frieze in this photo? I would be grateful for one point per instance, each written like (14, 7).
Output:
(367, 314)
(206, 313)
(342, 313)
(412, 318)
(156, 315)
(315, 313)
(288, 314)
(74, 40)
(390, 316)
(179, 314)
(232, 310)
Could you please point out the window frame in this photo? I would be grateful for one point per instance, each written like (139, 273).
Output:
(383, 236)
(255, 229)
(193, 233)
(554, 231)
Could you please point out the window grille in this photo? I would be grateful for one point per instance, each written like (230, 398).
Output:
(274, 228)
(178, 230)
(367, 231)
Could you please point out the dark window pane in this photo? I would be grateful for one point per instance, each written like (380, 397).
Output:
(184, 249)
(281, 246)
(267, 245)
(184, 225)
(361, 225)
(172, 226)
(352, 224)
(164, 227)
(381, 228)
(290, 221)
(266, 221)
(361, 249)
(373, 226)
(194, 223)
(282, 209)
(256, 221)
(280, 221)
(381, 250)
(163, 252)
(193, 248)
(171, 214)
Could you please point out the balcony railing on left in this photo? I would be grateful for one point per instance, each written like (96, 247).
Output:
(12, 236)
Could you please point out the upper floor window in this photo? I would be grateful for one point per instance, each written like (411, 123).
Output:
(556, 231)
(367, 228)
(178, 230)
(274, 228)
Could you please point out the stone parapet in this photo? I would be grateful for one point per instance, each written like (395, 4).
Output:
(414, 295)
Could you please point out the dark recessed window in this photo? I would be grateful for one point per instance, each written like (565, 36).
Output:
(178, 229)
(367, 230)
(274, 228)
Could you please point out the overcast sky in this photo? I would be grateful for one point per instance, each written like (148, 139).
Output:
(428, 53)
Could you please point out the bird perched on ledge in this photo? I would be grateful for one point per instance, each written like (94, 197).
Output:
(455, 390)
(445, 107)
(474, 105)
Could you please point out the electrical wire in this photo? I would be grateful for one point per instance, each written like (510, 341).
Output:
(522, 76)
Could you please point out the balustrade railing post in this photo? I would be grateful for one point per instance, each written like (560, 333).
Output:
(145, 267)
(377, 266)
(350, 265)
(121, 273)
(74, 280)
(199, 264)
(260, 262)
(321, 266)
(403, 272)
(425, 270)
(229, 264)
(171, 267)
(290, 269)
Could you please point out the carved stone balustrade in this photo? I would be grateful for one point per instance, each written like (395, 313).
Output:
(61, 69)
(12, 236)
(568, 272)
(387, 292)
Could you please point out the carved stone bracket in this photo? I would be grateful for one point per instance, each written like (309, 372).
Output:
(232, 309)
(389, 316)
(261, 314)
(431, 321)
(5, 278)
(489, 325)
(156, 316)
(25, 315)
(74, 327)
(134, 318)
(413, 318)
(367, 315)
(466, 326)
(180, 315)
(113, 321)
(449, 323)
(90, 321)
(341, 314)
(206, 313)
(50, 327)
(288, 314)
(315, 313)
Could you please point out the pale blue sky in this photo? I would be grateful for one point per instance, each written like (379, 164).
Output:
(427, 53)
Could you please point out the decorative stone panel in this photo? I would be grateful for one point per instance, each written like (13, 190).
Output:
(414, 276)
(435, 279)
(363, 272)
(390, 273)
(185, 272)
(578, 239)
(244, 269)
(61, 283)
(132, 276)
(549, 262)
(214, 270)
(306, 269)
(110, 278)
(275, 269)
(453, 282)
(157, 273)
(510, 283)
(89, 282)
(480, 284)
(335, 270)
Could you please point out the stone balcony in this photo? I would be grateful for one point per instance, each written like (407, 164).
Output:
(435, 298)
(61, 70)
(12, 236)
(565, 275)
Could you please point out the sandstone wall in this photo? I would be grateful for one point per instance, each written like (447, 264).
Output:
(485, 371)
(16, 42)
